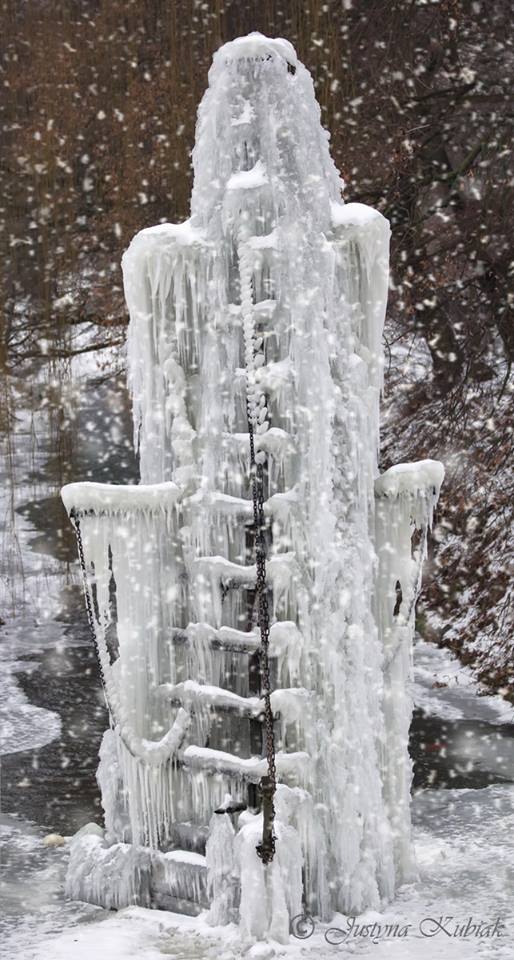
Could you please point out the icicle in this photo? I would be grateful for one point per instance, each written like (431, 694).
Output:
(166, 272)
(406, 496)
(270, 895)
(286, 646)
(202, 661)
(110, 781)
(180, 875)
(221, 885)
(113, 877)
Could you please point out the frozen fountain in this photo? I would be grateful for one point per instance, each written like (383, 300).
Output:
(259, 317)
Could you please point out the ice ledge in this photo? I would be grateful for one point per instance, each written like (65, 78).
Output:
(356, 215)
(286, 702)
(161, 236)
(119, 498)
(124, 874)
(292, 766)
(184, 856)
(411, 479)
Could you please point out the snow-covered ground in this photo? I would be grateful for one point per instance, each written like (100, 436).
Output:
(444, 687)
(464, 843)
(465, 853)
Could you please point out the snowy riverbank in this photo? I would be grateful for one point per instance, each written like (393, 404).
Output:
(464, 848)
(444, 687)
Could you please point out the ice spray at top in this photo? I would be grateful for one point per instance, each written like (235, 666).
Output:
(259, 127)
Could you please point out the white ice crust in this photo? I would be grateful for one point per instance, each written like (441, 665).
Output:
(410, 478)
(119, 498)
(271, 268)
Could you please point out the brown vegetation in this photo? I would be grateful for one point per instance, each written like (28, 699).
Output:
(99, 102)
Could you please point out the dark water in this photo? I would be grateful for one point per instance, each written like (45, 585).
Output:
(55, 785)
(460, 753)
(58, 785)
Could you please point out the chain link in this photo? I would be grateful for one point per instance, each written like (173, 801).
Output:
(266, 849)
(89, 605)
(257, 414)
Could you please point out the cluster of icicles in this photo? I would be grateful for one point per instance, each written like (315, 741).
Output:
(269, 302)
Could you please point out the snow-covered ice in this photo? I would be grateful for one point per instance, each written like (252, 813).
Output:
(261, 317)
(464, 850)
(23, 726)
(444, 687)
(464, 847)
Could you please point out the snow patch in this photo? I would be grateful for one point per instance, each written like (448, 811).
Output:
(249, 179)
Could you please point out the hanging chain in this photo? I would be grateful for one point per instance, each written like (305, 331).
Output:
(82, 560)
(89, 604)
(133, 743)
(257, 414)
(266, 849)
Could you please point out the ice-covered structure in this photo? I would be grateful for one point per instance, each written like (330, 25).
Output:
(267, 304)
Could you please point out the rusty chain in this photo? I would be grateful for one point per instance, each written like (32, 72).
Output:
(266, 849)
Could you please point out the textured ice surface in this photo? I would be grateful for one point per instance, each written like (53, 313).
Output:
(411, 478)
(270, 895)
(117, 498)
(111, 876)
(267, 304)
(221, 870)
(23, 726)
(406, 498)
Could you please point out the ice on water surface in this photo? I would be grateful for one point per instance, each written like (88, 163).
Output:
(270, 300)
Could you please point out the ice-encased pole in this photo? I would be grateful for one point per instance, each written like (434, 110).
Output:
(271, 268)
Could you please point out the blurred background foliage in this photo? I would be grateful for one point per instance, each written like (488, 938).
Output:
(99, 103)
